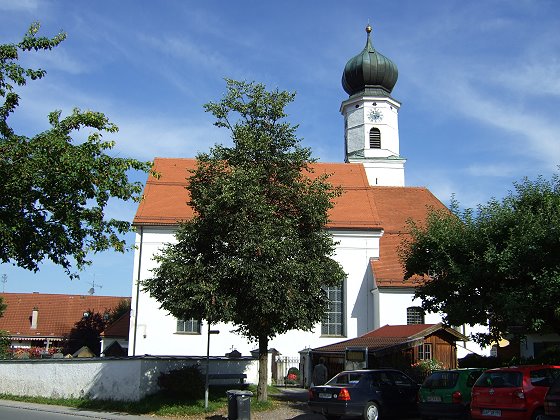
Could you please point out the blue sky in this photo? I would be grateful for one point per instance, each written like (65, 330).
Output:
(479, 83)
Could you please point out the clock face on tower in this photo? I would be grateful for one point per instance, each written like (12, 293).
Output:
(375, 115)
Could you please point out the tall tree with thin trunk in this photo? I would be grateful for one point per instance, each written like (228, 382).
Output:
(257, 253)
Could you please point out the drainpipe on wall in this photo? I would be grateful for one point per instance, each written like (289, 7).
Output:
(137, 290)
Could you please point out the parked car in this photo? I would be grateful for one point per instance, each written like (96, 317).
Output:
(447, 393)
(512, 393)
(552, 402)
(370, 393)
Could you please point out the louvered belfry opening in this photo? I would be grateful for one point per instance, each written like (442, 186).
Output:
(374, 138)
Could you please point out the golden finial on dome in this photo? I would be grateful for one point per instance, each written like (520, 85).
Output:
(368, 28)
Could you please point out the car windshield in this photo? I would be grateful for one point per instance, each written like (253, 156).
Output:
(346, 379)
(443, 379)
(500, 379)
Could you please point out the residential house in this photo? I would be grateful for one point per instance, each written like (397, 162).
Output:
(39, 320)
(368, 223)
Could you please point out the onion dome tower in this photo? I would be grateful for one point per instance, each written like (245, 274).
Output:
(371, 129)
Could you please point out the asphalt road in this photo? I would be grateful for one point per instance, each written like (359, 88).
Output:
(13, 410)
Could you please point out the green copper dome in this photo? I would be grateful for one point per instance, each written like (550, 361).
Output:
(369, 72)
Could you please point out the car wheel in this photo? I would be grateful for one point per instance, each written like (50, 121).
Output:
(371, 412)
(538, 414)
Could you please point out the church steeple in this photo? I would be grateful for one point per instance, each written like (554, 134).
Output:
(371, 128)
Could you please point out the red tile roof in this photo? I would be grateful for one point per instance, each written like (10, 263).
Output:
(361, 206)
(57, 314)
(119, 328)
(391, 335)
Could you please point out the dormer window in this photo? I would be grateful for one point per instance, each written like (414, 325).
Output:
(374, 138)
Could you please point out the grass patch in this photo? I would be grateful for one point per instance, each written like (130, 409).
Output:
(157, 404)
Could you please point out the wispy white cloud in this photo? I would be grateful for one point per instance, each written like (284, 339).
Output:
(19, 5)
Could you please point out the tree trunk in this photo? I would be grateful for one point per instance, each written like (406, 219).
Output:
(262, 387)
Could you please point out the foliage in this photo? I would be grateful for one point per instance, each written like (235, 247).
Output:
(53, 190)
(187, 382)
(2, 307)
(497, 266)
(86, 332)
(473, 360)
(31, 352)
(422, 368)
(4, 345)
(257, 253)
(121, 309)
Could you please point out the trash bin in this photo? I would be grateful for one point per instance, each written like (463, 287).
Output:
(239, 404)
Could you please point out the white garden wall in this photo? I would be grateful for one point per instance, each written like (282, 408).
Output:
(129, 379)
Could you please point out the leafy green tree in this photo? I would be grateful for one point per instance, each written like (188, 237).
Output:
(497, 266)
(4, 344)
(86, 332)
(122, 308)
(54, 191)
(257, 253)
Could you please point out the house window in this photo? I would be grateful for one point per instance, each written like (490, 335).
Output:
(374, 138)
(332, 324)
(414, 315)
(425, 351)
(189, 326)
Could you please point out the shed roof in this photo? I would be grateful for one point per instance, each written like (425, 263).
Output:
(390, 336)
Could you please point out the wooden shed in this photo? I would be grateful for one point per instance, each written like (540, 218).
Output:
(396, 346)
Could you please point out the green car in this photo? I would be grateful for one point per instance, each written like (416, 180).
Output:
(447, 393)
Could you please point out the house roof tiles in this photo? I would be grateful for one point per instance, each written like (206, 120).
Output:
(57, 313)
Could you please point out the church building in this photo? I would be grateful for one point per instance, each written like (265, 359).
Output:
(368, 223)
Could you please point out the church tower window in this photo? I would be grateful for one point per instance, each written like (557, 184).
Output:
(374, 138)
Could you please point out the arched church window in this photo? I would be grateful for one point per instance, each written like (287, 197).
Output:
(414, 315)
(374, 138)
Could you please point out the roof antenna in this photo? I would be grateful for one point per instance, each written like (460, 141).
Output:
(4, 281)
(91, 291)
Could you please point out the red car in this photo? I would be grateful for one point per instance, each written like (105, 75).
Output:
(510, 393)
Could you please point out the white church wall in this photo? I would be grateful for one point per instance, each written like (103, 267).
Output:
(156, 329)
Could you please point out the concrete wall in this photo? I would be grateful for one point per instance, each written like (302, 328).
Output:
(129, 379)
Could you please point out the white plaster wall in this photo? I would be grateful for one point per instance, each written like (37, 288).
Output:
(156, 332)
(392, 306)
(527, 346)
(389, 173)
(105, 379)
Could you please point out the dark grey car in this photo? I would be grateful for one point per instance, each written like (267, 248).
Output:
(369, 393)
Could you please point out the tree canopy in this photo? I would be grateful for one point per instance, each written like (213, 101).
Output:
(497, 266)
(53, 190)
(257, 253)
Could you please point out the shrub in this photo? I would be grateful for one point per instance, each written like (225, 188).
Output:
(423, 368)
(187, 382)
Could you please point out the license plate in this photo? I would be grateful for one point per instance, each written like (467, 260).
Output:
(492, 413)
(433, 398)
(325, 395)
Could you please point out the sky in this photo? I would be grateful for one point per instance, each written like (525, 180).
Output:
(479, 83)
